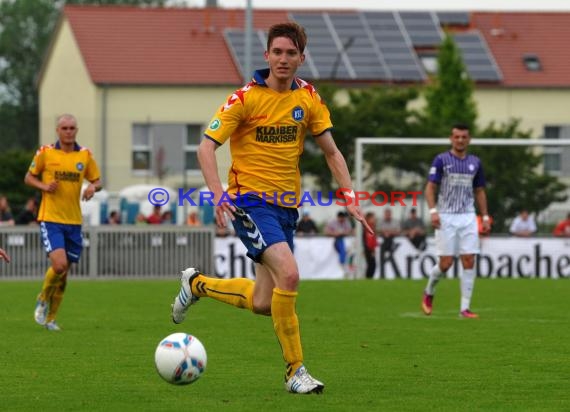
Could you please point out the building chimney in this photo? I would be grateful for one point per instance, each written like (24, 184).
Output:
(212, 3)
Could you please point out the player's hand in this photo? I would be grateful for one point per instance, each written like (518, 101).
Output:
(435, 222)
(486, 227)
(4, 255)
(51, 187)
(89, 192)
(224, 208)
(357, 214)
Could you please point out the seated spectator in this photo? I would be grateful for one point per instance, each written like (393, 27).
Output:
(6, 217)
(562, 229)
(193, 219)
(388, 230)
(306, 225)
(155, 218)
(29, 215)
(414, 229)
(523, 225)
(114, 218)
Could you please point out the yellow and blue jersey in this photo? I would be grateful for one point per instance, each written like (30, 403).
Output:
(267, 130)
(69, 169)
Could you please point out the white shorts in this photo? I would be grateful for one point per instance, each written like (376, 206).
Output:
(458, 234)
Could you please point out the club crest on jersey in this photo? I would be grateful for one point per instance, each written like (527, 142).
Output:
(215, 124)
(79, 166)
(471, 167)
(298, 113)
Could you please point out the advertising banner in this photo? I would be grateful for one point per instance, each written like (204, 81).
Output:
(544, 258)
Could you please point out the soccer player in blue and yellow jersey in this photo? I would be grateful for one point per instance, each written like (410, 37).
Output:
(457, 178)
(265, 123)
(58, 170)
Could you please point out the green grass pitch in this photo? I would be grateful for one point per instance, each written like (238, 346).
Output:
(367, 340)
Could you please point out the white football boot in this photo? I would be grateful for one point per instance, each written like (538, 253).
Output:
(185, 298)
(302, 382)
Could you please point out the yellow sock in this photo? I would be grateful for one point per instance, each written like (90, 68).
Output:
(286, 325)
(237, 291)
(56, 298)
(50, 282)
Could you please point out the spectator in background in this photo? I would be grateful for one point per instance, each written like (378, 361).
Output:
(29, 215)
(306, 225)
(562, 229)
(166, 218)
(370, 242)
(523, 225)
(6, 217)
(140, 220)
(155, 218)
(414, 229)
(114, 218)
(193, 219)
(388, 230)
(339, 228)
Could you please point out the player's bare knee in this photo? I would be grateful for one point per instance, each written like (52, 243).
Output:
(60, 267)
(445, 263)
(262, 307)
(290, 280)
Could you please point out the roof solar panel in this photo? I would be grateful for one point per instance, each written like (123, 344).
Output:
(453, 18)
(394, 46)
(422, 27)
(357, 46)
(479, 62)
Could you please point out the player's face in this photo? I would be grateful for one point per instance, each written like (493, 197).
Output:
(283, 58)
(67, 130)
(459, 140)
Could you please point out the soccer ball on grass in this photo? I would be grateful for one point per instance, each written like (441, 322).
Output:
(180, 358)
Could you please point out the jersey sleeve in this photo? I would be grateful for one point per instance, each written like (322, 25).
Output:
(320, 117)
(436, 170)
(479, 178)
(227, 118)
(92, 172)
(37, 165)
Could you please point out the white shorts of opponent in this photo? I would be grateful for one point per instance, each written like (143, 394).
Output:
(457, 235)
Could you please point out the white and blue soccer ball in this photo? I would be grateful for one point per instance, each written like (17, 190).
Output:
(180, 358)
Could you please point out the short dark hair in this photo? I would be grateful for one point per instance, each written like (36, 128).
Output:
(292, 31)
(460, 126)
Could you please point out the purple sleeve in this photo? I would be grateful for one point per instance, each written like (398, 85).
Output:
(479, 179)
(436, 170)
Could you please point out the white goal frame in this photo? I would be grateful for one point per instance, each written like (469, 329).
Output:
(360, 142)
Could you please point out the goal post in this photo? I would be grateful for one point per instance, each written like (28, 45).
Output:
(360, 142)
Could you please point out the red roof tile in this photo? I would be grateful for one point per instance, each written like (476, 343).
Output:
(511, 36)
(128, 45)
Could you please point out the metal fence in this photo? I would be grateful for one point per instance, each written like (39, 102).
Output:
(114, 252)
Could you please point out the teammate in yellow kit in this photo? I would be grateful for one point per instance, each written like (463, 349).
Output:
(58, 170)
(266, 121)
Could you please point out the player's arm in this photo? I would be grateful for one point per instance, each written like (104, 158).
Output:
(337, 165)
(481, 200)
(430, 194)
(209, 167)
(34, 181)
(90, 190)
